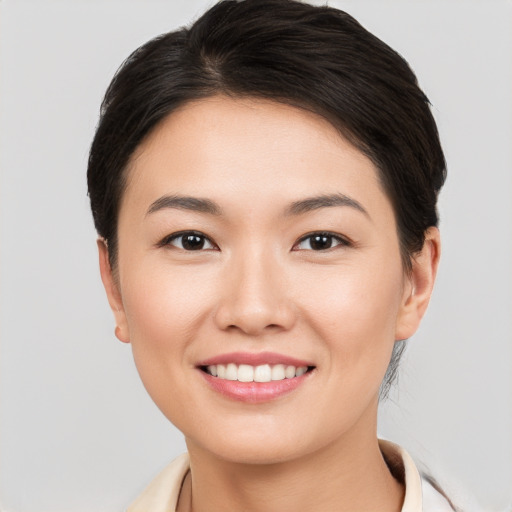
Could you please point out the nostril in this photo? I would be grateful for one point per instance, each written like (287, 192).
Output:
(253, 316)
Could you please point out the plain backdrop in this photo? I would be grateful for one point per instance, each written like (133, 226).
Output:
(78, 432)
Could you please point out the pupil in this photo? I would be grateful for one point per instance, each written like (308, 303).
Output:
(192, 242)
(319, 242)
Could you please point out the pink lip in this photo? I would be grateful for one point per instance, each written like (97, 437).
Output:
(255, 359)
(254, 392)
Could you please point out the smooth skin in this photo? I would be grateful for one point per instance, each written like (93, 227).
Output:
(255, 281)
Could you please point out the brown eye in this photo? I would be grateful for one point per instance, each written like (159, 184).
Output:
(189, 241)
(320, 242)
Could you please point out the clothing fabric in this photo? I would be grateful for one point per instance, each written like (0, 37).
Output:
(162, 493)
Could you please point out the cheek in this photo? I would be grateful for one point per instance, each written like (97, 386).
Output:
(354, 297)
(164, 309)
(353, 315)
(161, 299)
(354, 309)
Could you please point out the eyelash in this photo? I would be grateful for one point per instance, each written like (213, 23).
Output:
(181, 234)
(341, 241)
(203, 239)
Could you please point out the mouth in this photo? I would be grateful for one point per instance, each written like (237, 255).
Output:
(260, 373)
(255, 378)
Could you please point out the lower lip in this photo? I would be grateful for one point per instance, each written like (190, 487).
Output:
(254, 392)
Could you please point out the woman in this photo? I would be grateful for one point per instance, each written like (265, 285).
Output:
(264, 186)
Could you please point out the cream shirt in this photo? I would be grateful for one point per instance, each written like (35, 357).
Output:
(162, 493)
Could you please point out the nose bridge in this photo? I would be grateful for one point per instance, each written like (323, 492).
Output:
(255, 297)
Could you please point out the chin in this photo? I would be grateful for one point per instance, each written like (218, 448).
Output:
(260, 445)
(257, 453)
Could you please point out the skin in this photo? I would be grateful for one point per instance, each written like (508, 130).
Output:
(259, 286)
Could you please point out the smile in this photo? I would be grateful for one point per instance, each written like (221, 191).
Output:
(255, 378)
(260, 373)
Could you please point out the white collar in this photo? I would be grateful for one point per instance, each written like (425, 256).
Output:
(162, 493)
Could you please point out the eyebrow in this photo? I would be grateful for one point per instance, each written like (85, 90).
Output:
(300, 207)
(324, 201)
(195, 204)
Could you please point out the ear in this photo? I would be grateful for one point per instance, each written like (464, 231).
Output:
(419, 285)
(113, 294)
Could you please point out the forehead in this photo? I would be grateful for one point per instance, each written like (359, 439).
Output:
(247, 149)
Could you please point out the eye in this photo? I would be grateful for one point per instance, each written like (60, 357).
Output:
(188, 241)
(321, 241)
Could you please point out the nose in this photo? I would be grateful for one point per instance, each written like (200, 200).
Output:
(254, 298)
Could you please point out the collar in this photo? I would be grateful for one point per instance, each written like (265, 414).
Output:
(402, 467)
(162, 493)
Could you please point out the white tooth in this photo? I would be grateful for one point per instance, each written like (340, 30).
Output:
(262, 373)
(301, 370)
(289, 372)
(245, 373)
(231, 372)
(212, 370)
(221, 371)
(278, 372)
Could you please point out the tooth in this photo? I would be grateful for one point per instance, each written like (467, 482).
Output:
(231, 372)
(262, 373)
(301, 370)
(289, 372)
(278, 372)
(245, 373)
(221, 371)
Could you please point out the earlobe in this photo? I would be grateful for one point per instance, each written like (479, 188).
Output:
(113, 293)
(420, 285)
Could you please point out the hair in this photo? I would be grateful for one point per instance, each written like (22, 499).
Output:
(315, 58)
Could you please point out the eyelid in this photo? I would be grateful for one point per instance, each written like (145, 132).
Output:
(343, 240)
(166, 241)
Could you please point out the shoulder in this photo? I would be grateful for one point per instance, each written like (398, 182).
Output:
(422, 494)
(161, 495)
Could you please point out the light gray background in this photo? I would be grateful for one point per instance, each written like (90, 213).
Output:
(78, 433)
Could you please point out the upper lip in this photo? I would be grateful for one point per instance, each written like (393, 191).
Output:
(254, 359)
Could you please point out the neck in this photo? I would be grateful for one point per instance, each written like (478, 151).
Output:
(349, 475)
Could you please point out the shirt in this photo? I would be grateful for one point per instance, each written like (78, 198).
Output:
(162, 493)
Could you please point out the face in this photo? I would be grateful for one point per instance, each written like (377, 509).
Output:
(259, 279)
